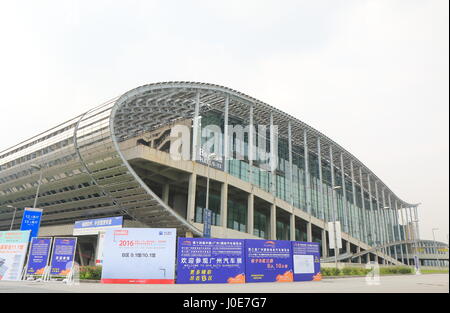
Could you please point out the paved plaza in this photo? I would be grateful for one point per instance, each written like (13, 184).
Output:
(431, 283)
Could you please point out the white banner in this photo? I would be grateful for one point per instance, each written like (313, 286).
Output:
(331, 233)
(13, 249)
(139, 256)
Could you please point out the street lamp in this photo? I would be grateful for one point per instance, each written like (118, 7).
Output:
(39, 168)
(416, 243)
(336, 249)
(14, 215)
(435, 244)
(387, 249)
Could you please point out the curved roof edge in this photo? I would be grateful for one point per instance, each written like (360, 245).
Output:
(250, 99)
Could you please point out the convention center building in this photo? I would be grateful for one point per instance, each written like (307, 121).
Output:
(154, 153)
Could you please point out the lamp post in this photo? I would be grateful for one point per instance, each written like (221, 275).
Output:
(14, 215)
(40, 168)
(336, 249)
(387, 233)
(435, 244)
(416, 244)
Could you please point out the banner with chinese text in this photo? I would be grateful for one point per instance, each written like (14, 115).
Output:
(63, 256)
(139, 256)
(306, 259)
(39, 255)
(13, 249)
(202, 260)
(268, 261)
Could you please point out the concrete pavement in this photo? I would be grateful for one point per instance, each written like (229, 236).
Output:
(430, 283)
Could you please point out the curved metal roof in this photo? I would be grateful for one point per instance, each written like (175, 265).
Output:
(182, 94)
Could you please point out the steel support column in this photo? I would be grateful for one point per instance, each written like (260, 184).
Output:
(195, 128)
(226, 141)
(321, 202)
(250, 213)
(344, 196)
(363, 204)
(291, 188)
(307, 178)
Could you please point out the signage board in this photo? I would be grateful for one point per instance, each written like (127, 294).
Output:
(306, 261)
(139, 256)
(62, 256)
(31, 220)
(13, 249)
(268, 261)
(95, 226)
(331, 234)
(38, 256)
(201, 260)
(217, 163)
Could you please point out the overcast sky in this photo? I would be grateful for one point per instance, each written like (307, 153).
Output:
(372, 75)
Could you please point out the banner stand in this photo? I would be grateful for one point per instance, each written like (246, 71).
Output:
(62, 277)
(25, 276)
(46, 276)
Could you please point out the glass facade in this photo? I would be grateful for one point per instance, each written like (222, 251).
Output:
(87, 172)
(306, 177)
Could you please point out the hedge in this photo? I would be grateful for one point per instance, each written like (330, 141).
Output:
(356, 271)
(91, 272)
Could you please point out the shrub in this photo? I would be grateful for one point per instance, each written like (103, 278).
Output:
(405, 270)
(325, 271)
(330, 271)
(349, 271)
(395, 270)
(91, 272)
(335, 271)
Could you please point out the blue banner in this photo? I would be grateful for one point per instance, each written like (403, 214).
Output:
(31, 220)
(39, 255)
(268, 260)
(93, 227)
(202, 260)
(306, 261)
(63, 256)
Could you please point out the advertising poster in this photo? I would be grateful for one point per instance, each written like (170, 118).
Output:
(306, 259)
(139, 256)
(31, 220)
(13, 249)
(39, 255)
(63, 256)
(268, 261)
(95, 226)
(203, 261)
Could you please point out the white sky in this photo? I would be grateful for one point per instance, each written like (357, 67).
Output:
(372, 75)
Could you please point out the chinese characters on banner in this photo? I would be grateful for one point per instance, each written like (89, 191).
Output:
(268, 261)
(63, 256)
(31, 220)
(95, 226)
(139, 256)
(202, 260)
(13, 249)
(306, 258)
(39, 255)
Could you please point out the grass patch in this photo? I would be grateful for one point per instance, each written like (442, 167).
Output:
(357, 271)
(436, 271)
